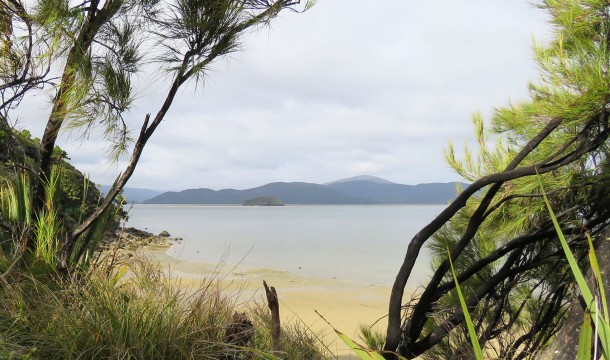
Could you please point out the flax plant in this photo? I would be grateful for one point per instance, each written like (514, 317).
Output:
(596, 312)
(15, 209)
(47, 227)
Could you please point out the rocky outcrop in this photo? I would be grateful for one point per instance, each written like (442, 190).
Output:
(124, 244)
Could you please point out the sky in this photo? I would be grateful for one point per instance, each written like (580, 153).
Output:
(350, 87)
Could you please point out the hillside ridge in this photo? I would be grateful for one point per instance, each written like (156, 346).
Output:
(358, 190)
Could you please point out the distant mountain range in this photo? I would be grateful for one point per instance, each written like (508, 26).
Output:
(356, 190)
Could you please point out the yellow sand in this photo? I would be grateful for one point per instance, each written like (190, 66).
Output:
(344, 304)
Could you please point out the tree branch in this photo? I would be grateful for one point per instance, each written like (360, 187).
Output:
(393, 330)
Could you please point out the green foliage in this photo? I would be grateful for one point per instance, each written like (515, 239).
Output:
(76, 197)
(361, 351)
(502, 245)
(142, 314)
(87, 243)
(358, 349)
(297, 341)
(373, 339)
(594, 311)
(15, 211)
(263, 201)
(15, 200)
(469, 324)
(70, 197)
(585, 338)
(47, 228)
(97, 48)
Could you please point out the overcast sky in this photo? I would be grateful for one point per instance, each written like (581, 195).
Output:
(350, 87)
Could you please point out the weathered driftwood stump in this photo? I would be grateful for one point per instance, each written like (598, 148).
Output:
(239, 334)
(274, 306)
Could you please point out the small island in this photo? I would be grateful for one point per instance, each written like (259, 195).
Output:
(263, 201)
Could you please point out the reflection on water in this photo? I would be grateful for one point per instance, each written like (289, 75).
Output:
(354, 243)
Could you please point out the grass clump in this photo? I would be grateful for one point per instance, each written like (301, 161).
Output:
(297, 341)
(140, 315)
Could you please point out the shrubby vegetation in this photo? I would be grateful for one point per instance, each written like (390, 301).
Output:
(143, 315)
(263, 201)
(514, 275)
(85, 55)
(498, 234)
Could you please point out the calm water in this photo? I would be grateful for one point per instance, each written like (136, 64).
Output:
(354, 243)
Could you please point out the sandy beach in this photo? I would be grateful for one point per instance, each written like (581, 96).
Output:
(344, 304)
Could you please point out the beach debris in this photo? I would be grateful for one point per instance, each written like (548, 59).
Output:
(239, 334)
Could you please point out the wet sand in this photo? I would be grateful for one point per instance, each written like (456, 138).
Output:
(346, 305)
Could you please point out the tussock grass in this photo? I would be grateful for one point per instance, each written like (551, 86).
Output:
(297, 341)
(373, 339)
(138, 315)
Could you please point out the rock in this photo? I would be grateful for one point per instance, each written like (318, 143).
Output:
(137, 232)
(123, 245)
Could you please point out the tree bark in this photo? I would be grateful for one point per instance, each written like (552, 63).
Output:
(78, 52)
(394, 331)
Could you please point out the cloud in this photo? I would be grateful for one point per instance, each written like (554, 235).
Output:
(350, 87)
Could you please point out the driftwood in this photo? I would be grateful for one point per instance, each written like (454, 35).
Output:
(239, 334)
(274, 306)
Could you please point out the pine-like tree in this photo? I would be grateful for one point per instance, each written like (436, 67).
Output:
(509, 262)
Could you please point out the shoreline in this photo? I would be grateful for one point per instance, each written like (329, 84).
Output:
(345, 304)
(284, 280)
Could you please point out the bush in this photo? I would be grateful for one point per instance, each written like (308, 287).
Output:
(138, 313)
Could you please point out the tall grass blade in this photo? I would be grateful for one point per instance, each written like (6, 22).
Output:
(83, 205)
(359, 349)
(23, 193)
(584, 339)
(362, 352)
(260, 354)
(15, 200)
(598, 277)
(373, 339)
(47, 230)
(471, 331)
(88, 242)
(48, 224)
(602, 326)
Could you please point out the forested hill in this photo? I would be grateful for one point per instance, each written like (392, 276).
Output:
(133, 195)
(357, 190)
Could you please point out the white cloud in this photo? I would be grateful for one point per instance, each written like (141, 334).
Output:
(350, 87)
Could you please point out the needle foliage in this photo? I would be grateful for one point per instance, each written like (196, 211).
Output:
(508, 261)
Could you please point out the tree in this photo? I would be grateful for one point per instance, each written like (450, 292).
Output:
(509, 263)
(98, 47)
